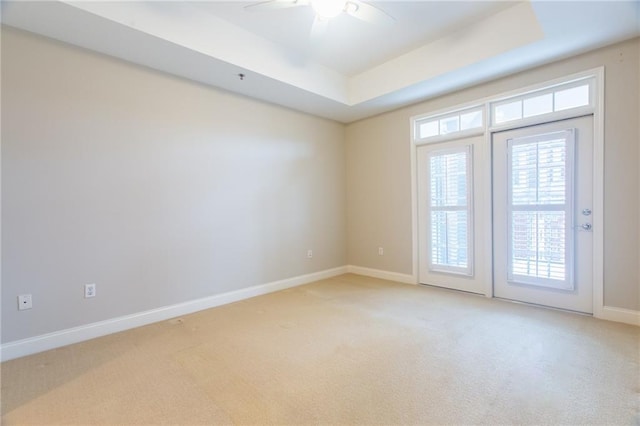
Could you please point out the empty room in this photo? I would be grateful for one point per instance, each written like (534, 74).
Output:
(299, 212)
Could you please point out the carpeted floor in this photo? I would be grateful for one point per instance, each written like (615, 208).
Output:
(347, 350)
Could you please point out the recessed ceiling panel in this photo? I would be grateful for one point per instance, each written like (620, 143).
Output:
(351, 46)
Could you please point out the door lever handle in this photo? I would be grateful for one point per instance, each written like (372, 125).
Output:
(584, 227)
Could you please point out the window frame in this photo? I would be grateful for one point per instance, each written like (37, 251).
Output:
(487, 108)
(553, 115)
(492, 94)
(438, 117)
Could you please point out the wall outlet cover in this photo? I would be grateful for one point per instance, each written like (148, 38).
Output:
(89, 290)
(24, 302)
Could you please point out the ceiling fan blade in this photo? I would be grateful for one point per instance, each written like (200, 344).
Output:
(275, 4)
(368, 13)
(319, 28)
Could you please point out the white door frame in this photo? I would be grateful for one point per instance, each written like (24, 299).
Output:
(576, 292)
(597, 109)
(471, 280)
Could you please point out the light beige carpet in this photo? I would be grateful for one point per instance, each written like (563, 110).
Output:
(347, 350)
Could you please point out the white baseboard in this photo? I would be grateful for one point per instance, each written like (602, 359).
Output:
(32, 345)
(627, 316)
(385, 275)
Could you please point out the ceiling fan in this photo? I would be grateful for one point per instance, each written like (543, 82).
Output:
(328, 9)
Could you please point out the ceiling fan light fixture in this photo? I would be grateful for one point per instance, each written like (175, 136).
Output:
(328, 8)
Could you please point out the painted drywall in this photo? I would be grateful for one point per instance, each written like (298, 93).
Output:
(475, 42)
(379, 171)
(157, 189)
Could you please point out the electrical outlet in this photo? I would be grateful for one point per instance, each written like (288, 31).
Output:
(24, 302)
(309, 254)
(380, 251)
(89, 290)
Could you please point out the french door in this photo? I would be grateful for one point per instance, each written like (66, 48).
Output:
(451, 213)
(542, 201)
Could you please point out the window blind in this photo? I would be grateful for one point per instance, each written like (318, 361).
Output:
(540, 208)
(450, 214)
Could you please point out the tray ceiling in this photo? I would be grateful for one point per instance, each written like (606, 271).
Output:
(356, 69)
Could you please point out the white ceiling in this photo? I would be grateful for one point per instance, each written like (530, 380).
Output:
(351, 46)
(357, 69)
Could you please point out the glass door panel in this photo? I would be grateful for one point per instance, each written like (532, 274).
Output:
(540, 202)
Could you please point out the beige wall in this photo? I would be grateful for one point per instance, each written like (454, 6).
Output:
(379, 175)
(161, 190)
(157, 189)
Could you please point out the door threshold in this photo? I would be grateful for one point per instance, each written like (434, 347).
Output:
(519, 302)
(437, 287)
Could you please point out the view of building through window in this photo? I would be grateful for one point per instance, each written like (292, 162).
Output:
(449, 209)
(537, 201)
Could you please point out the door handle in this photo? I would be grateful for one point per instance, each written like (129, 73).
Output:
(584, 227)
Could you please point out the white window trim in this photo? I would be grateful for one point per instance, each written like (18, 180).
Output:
(599, 309)
(547, 117)
(541, 119)
(595, 76)
(416, 121)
